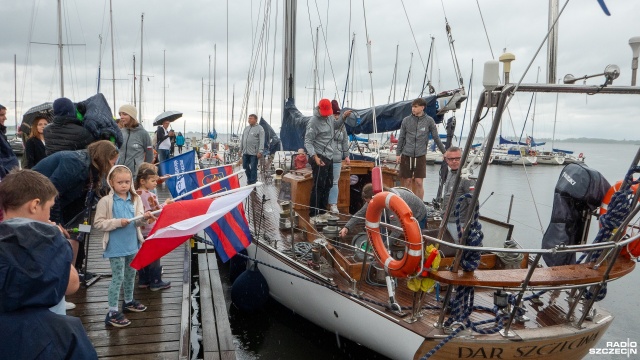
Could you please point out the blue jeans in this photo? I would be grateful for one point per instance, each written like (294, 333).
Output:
(333, 193)
(150, 274)
(163, 154)
(250, 166)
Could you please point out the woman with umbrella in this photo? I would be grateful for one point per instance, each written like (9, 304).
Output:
(162, 133)
(34, 146)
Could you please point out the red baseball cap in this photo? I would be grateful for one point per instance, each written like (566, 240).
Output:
(324, 106)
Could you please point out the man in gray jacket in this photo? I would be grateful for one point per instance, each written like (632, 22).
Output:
(412, 146)
(318, 140)
(251, 147)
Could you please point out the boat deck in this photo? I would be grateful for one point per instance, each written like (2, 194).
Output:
(163, 331)
(549, 309)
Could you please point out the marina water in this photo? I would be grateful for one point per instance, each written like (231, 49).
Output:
(277, 333)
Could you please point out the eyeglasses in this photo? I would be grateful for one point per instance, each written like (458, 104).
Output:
(454, 159)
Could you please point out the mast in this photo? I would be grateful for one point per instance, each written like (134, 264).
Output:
(164, 79)
(315, 70)
(289, 49)
(15, 90)
(60, 47)
(214, 87)
(141, 55)
(209, 99)
(552, 43)
(134, 81)
(113, 62)
(202, 112)
(99, 62)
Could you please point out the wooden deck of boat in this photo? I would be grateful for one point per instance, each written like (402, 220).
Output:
(550, 310)
(163, 330)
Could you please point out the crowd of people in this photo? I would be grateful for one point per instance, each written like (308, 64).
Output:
(68, 169)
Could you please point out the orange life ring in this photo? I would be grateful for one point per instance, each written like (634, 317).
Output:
(411, 261)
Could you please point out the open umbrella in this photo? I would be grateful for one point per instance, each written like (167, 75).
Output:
(170, 115)
(45, 109)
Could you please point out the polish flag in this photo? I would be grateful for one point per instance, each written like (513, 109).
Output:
(180, 220)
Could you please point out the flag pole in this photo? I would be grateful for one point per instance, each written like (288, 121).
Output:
(213, 195)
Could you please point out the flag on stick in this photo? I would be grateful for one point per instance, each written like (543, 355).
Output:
(180, 220)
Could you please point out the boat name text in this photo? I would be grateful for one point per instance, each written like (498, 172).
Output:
(533, 351)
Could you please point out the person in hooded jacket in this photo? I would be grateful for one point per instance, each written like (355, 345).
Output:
(136, 147)
(33, 280)
(66, 131)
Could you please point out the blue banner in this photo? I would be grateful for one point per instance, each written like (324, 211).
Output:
(180, 184)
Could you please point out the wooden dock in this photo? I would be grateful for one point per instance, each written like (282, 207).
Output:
(163, 330)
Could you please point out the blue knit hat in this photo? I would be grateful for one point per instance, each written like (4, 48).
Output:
(64, 107)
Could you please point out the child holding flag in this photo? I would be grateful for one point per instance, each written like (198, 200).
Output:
(146, 182)
(120, 240)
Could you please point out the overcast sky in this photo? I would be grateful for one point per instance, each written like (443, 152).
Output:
(186, 31)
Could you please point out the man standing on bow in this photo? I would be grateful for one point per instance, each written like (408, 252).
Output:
(412, 146)
(251, 148)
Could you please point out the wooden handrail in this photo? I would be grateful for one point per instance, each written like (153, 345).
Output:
(578, 274)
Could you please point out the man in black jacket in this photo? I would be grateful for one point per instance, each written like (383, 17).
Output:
(66, 131)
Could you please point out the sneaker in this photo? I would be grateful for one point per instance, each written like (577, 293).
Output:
(117, 319)
(325, 216)
(160, 285)
(334, 208)
(133, 306)
(69, 305)
(142, 286)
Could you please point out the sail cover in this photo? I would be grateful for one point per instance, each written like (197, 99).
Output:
(388, 118)
(579, 189)
(271, 139)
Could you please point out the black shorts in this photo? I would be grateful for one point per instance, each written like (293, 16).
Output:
(413, 167)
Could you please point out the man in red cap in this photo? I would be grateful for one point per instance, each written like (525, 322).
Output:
(318, 141)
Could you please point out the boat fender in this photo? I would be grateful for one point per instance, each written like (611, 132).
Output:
(250, 291)
(237, 265)
(376, 179)
(412, 258)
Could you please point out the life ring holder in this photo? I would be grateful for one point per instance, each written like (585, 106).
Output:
(412, 260)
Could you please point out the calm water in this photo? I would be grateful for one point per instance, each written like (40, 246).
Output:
(277, 333)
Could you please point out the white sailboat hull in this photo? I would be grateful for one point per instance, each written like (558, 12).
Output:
(337, 313)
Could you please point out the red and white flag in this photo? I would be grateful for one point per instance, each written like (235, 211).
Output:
(180, 220)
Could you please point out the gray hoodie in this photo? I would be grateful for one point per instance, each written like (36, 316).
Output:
(318, 138)
(252, 141)
(414, 135)
(136, 148)
(340, 143)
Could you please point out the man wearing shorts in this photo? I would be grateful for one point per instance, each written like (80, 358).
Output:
(412, 146)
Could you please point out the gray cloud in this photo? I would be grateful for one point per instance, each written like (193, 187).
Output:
(187, 31)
